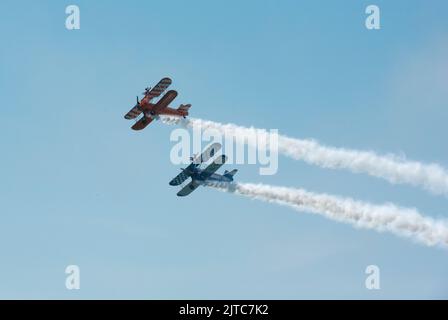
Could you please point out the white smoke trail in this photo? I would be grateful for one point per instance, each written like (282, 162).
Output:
(431, 177)
(405, 222)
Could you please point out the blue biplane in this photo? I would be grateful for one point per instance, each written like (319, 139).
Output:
(205, 176)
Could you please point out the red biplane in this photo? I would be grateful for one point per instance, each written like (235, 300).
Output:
(153, 110)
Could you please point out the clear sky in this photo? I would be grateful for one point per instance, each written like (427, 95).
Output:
(79, 187)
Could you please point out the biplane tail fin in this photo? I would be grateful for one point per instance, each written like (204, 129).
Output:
(183, 108)
(230, 174)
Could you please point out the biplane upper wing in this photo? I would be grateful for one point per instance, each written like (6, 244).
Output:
(208, 153)
(189, 188)
(165, 101)
(213, 167)
(184, 175)
(142, 123)
(158, 88)
(153, 93)
(179, 179)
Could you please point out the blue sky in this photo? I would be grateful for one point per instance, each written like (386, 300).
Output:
(79, 187)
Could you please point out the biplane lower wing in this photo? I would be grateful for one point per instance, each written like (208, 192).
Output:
(164, 102)
(142, 123)
(189, 188)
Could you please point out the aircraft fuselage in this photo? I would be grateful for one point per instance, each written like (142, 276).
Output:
(214, 177)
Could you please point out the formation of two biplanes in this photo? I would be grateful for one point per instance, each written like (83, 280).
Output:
(147, 109)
